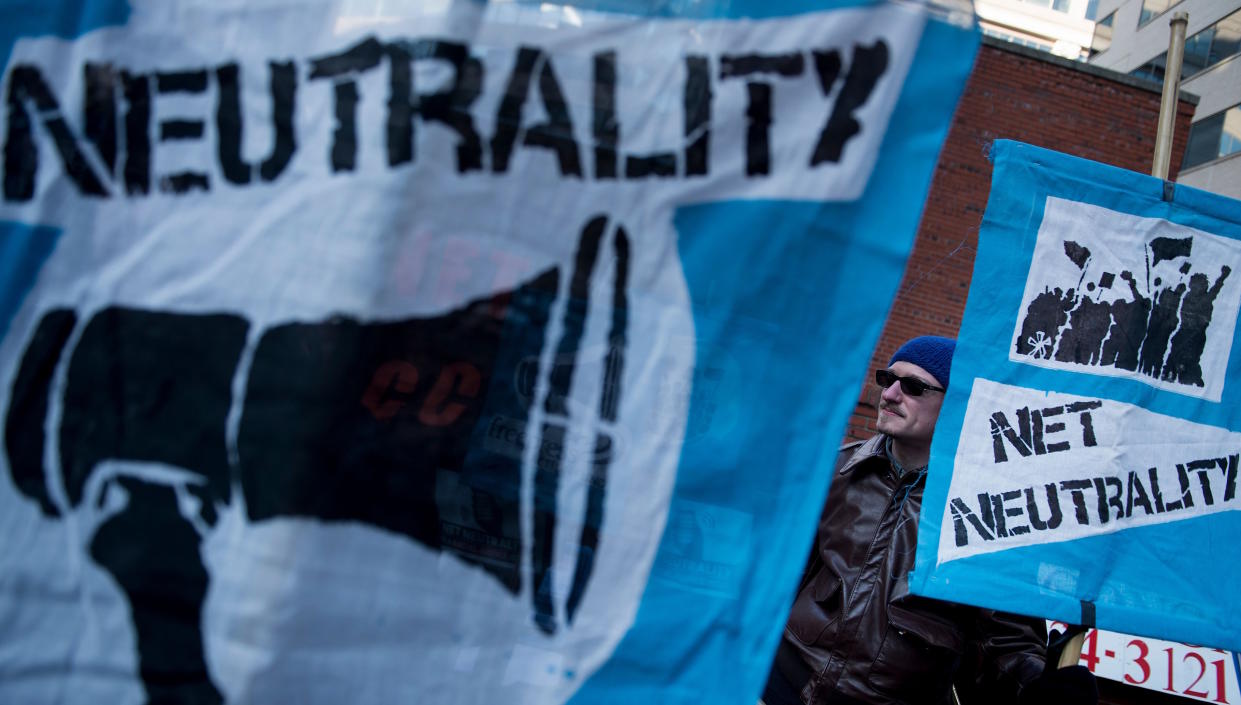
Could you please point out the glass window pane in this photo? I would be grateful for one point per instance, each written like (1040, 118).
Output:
(1204, 138)
(1060, 5)
(1150, 8)
(1153, 69)
(1197, 48)
(1102, 38)
(1092, 9)
(1148, 11)
(1227, 39)
(1230, 132)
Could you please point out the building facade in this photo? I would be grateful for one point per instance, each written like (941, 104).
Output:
(1063, 27)
(1131, 37)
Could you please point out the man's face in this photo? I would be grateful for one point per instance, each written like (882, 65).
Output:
(908, 418)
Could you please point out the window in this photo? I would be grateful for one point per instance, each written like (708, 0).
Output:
(1102, 38)
(1196, 49)
(1214, 137)
(1041, 46)
(1152, 70)
(1202, 51)
(1154, 8)
(1092, 10)
(1213, 44)
(1057, 5)
(1225, 39)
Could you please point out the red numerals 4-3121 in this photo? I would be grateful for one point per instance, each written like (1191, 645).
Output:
(1189, 671)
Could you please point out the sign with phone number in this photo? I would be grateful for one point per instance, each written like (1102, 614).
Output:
(1195, 672)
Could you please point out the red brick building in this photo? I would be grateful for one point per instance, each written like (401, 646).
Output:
(1030, 96)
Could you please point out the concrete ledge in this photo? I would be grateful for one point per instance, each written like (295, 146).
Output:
(1084, 67)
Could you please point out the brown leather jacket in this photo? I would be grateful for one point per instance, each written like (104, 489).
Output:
(855, 629)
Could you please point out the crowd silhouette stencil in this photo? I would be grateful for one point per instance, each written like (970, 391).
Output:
(1156, 328)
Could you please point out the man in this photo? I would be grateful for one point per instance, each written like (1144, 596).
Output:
(855, 634)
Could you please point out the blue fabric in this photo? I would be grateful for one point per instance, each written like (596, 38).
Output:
(788, 298)
(23, 250)
(24, 247)
(796, 346)
(1174, 580)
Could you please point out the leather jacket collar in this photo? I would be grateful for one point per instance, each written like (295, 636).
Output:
(864, 451)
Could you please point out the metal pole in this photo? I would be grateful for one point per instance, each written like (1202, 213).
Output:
(1171, 89)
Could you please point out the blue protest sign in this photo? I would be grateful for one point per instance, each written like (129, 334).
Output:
(1086, 469)
(475, 352)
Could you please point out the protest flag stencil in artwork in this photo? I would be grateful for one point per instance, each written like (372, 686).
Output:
(1126, 296)
(1089, 463)
(379, 355)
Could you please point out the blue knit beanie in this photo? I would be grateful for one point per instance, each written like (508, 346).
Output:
(932, 353)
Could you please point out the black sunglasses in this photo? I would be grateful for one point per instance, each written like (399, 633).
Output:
(912, 386)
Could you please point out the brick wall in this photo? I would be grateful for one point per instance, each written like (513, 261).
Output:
(1014, 93)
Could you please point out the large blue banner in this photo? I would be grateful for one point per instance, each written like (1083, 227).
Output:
(1085, 466)
(450, 351)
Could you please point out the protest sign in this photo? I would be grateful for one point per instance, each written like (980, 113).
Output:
(458, 351)
(1184, 670)
(1085, 467)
